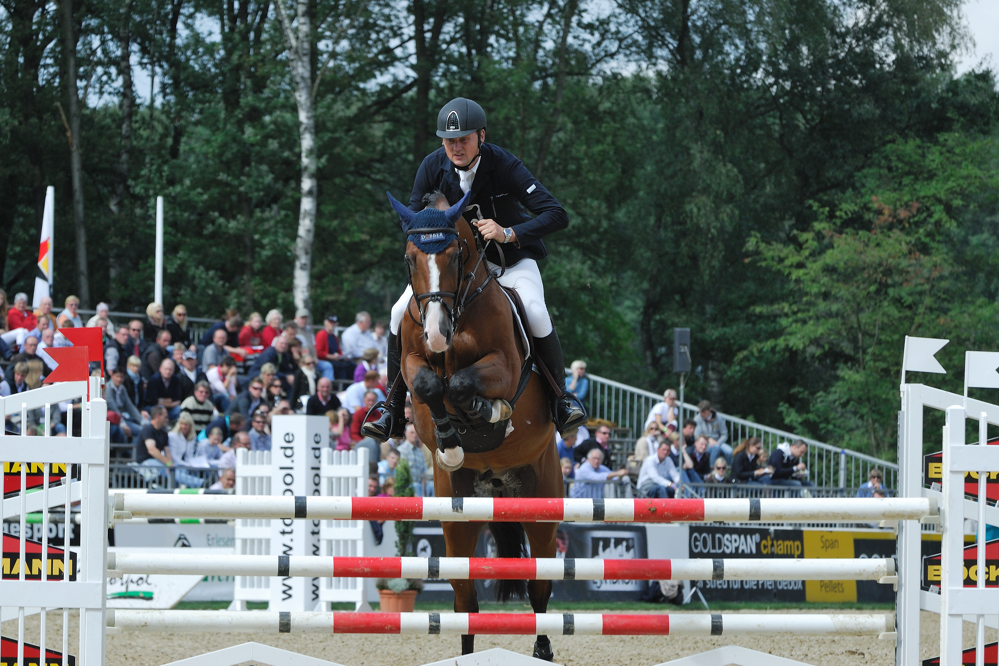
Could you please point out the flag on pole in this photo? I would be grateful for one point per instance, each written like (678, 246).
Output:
(980, 370)
(43, 277)
(919, 353)
(73, 365)
(89, 338)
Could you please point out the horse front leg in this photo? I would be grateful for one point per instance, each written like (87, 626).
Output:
(428, 387)
(478, 389)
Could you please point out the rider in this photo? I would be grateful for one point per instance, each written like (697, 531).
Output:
(502, 188)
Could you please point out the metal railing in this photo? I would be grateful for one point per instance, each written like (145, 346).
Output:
(829, 466)
(131, 475)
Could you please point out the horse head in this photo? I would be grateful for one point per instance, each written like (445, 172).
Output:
(435, 258)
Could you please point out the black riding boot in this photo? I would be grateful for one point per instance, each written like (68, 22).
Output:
(392, 423)
(569, 415)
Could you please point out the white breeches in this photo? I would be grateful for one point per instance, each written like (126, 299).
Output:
(16, 336)
(524, 278)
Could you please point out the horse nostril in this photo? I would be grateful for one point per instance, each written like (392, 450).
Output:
(497, 483)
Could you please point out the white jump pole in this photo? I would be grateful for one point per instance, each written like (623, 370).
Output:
(654, 624)
(501, 569)
(848, 510)
(158, 284)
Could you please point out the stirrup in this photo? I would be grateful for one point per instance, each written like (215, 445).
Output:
(383, 429)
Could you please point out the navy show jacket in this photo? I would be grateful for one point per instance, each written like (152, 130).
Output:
(503, 188)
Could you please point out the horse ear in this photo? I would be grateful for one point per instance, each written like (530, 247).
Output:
(406, 214)
(455, 211)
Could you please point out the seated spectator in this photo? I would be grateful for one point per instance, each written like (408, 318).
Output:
(324, 400)
(358, 337)
(260, 435)
(273, 328)
(599, 441)
(665, 412)
(247, 402)
(719, 474)
(362, 415)
(136, 343)
(184, 445)
(177, 325)
(37, 370)
(155, 322)
(659, 476)
(134, 382)
(689, 426)
(163, 389)
(232, 325)
(199, 406)
(280, 356)
(228, 425)
(251, 335)
(698, 455)
(710, 424)
(20, 321)
(290, 332)
(116, 351)
(216, 351)
(747, 463)
(340, 429)
(567, 468)
(874, 482)
(368, 362)
(227, 480)
(329, 360)
(380, 335)
(48, 341)
(103, 311)
(878, 493)
(274, 393)
(305, 379)
(222, 379)
(188, 370)
(566, 450)
(70, 314)
(17, 383)
(355, 394)
(119, 402)
(44, 311)
(645, 445)
(388, 488)
(411, 450)
(386, 468)
(789, 469)
(283, 408)
(591, 476)
(213, 447)
(152, 448)
(267, 372)
(577, 383)
(240, 440)
(155, 354)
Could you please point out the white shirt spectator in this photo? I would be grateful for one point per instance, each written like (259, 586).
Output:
(663, 410)
(595, 490)
(353, 397)
(354, 341)
(216, 383)
(662, 473)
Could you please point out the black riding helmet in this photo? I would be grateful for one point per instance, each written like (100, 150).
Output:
(459, 117)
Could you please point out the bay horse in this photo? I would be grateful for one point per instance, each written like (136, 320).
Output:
(466, 363)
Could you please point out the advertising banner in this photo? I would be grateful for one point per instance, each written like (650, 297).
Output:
(32, 655)
(968, 656)
(933, 474)
(55, 564)
(747, 542)
(35, 476)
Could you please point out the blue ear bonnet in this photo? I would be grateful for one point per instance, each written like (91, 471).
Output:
(431, 243)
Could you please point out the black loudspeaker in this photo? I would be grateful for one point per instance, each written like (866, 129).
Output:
(681, 350)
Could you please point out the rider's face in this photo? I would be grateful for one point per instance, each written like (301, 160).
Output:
(463, 150)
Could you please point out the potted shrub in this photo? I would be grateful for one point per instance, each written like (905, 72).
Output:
(399, 594)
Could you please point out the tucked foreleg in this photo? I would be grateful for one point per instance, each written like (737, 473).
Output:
(428, 387)
(479, 388)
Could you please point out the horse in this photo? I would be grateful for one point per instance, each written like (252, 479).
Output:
(466, 363)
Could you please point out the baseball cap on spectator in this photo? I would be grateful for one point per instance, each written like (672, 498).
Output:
(189, 355)
(302, 312)
(332, 318)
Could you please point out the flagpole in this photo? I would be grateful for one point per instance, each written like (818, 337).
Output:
(158, 285)
(43, 278)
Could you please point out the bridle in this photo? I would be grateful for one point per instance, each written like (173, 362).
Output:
(458, 303)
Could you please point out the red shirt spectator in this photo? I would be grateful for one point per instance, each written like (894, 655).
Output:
(326, 342)
(18, 319)
(268, 333)
(251, 338)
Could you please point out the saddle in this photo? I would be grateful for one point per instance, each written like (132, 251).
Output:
(477, 434)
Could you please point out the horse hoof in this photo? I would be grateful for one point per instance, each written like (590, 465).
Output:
(543, 651)
(501, 411)
(450, 460)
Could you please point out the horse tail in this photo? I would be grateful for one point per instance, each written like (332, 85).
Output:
(510, 542)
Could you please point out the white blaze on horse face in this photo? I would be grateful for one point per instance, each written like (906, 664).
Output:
(436, 341)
